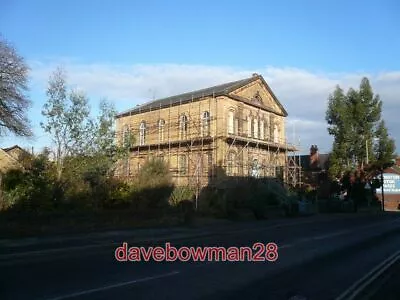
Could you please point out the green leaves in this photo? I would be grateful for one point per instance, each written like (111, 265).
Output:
(385, 146)
(353, 120)
(67, 119)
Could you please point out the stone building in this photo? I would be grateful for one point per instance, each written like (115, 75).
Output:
(11, 157)
(235, 129)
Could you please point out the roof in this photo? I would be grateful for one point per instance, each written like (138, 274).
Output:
(218, 90)
(7, 161)
(396, 169)
(12, 148)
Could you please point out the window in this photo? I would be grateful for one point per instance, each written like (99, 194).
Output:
(205, 123)
(249, 125)
(125, 167)
(183, 126)
(210, 164)
(125, 136)
(255, 128)
(262, 129)
(276, 133)
(161, 126)
(255, 168)
(271, 128)
(142, 133)
(230, 168)
(236, 126)
(182, 164)
(231, 122)
(266, 129)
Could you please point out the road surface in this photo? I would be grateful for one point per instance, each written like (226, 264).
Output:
(318, 259)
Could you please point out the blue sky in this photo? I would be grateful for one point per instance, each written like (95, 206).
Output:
(128, 51)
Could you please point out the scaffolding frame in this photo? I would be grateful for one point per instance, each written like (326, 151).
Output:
(199, 145)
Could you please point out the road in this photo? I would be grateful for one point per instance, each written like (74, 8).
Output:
(318, 259)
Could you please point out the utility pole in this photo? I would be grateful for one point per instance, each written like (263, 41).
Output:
(366, 148)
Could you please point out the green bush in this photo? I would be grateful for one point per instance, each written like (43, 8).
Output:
(12, 179)
(255, 195)
(30, 189)
(154, 197)
(181, 193)
(153, 186)
(119, 194)
(155, 172)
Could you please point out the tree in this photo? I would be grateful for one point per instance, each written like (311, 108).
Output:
(354, 120)
(385, 146)
(105, 132)
(365, 109)
(339, 126)
(67, 120)
(14, 101)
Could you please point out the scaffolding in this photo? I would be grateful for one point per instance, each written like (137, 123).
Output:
(193, 139)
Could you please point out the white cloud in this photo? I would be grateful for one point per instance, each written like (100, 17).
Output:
(303, 93)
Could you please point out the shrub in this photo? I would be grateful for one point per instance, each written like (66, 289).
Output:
(154, 172)
(12, 179)
(30, 189)
(119, 194)
(181, 193)
(153, 187)
(254, 195)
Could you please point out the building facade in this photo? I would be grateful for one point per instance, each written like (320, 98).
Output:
(11, 157)
(235, 129)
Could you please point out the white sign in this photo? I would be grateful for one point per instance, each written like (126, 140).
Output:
(391, 184)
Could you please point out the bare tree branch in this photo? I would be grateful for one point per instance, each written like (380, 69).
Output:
(14, 101)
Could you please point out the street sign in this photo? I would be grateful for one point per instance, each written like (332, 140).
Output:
(391, 184)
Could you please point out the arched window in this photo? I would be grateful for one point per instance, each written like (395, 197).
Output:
(205, 123)
(142, 133)
(161, 126)
(255, 168)
(182, 164)
(276, 133)
(271, 128)
(210, 164)
(262, 129)
(266, 128)
(125, 136)
(230, 168)
(125, 167)
(183, 127)
(231, 122)
(255, 128)
(249, 126)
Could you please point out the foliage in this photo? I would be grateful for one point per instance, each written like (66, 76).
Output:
(154, 172)
(181, 193)
(31, 189)
(154, 185)
(85, 149)
(14, 101)
(67, 120)
(351, 115)
(255, 195)
(385, 147)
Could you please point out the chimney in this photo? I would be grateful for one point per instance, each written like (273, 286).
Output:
(314, 159)
(313, 149)
(255, 74)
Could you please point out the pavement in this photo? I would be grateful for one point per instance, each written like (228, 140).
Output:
(319, 257)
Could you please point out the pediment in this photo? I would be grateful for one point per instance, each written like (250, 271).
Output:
(258, 93)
